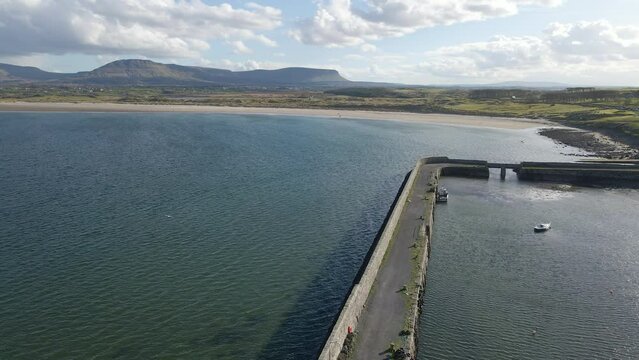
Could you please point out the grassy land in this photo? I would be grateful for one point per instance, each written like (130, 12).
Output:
(615, 112)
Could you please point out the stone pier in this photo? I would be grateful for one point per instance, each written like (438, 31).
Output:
(381, 313)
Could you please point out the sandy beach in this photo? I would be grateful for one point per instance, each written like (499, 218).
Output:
(464, 120)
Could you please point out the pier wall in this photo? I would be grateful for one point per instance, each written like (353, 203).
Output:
(426, 232)
(354, 304)
(609, 175)
(580, 166)
(349, 316)
(473, 171)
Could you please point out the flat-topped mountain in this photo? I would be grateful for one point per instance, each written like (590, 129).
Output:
(149, 73)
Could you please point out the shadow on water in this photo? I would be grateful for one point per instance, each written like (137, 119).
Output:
(307, 327)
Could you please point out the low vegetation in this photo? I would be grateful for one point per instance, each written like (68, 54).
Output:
(614, 112)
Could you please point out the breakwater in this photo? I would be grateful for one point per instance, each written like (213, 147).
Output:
(587, 174)
(379, 317)
(410, 223)
(349, 316)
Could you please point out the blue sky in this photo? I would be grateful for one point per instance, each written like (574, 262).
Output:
(409, 41)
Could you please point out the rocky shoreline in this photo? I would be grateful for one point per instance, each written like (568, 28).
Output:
(597, 144)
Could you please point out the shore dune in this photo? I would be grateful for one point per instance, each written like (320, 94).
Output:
(465, 120)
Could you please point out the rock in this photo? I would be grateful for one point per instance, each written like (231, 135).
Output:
(401, 354)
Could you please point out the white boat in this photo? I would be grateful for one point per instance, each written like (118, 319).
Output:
(542, 227)
(442, 195)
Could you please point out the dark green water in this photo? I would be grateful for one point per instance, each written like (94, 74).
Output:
(202, 236)
(492, 282)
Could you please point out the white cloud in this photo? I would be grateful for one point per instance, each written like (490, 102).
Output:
(341, 23)
(491, 58)
(582, 50)
(162, 28)
(247, 65)
(239, 47)
(599, 39)
(250, 65)
(368, 48)
(265, 41)
(355, 57)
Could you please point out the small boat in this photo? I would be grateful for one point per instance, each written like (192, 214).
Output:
(542, 227)
(442, 195)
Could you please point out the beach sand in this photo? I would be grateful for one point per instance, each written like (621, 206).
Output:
(464, 120)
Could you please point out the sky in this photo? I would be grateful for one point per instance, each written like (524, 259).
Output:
(578, 42)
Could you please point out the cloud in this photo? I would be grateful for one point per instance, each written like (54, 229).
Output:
(239, 47)
(491, 58)
(368, 48)
(246, 65)
(582, 49)
(599, 40)
(340, 23)
(162, 28)
(265, 40)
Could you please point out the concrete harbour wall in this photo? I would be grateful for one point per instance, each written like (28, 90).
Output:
(349, 315)
(426, 232)
(609, 175)
(354, 304)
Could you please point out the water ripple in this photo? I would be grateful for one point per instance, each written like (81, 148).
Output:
(268, 222)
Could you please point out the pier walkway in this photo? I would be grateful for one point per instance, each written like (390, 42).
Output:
(384, 316)
(389, 314)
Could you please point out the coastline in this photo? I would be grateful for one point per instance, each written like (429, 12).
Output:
(600, 145)
(447, 119)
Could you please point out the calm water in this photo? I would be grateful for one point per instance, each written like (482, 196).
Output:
(236, 237)
(492, 282)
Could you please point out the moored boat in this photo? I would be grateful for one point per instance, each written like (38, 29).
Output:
(442, 195)
(542, 227)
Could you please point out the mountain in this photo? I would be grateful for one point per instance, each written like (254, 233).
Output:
(148, 73)
(15, 73)
(134, 72)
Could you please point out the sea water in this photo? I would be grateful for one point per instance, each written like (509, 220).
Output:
(143, 235)
(497, 290)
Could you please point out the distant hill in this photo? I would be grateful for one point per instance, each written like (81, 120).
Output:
(135, 72)
(148, 73)
(15, 73)
(516, 85)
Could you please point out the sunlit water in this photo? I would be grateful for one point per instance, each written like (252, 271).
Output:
(497, 290)
(224, 236)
